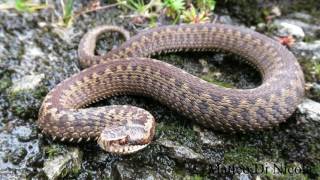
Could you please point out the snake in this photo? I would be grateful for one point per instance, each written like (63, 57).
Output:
(130, 69)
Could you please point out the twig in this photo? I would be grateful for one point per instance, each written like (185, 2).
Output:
(81, 12)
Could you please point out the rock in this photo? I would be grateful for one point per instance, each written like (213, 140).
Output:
(315, 91)
(275, 10)
(9, 174)
(286, 29)
(25, 95)
(244, 176)
(181, 153)
(36, 160)
(123, 170)
(309, 110)
(61, 165)
(208, 137)
(308, 29)
(29, 82)
(33, 52)
(17, 156)
(301, 16)
(226, 19)
(310, 50)
(24, 134)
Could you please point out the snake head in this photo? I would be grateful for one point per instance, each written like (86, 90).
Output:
(133, 136)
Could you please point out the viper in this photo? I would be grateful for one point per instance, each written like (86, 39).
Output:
(128, 70)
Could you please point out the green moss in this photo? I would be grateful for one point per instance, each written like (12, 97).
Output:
(245, 156)
(298, 175)
(70, 172)
(26, 103)
(182, 174)
(312, 7)
(285, 177)
(209, 77)
(315, 170)
(176, 131)
(196, 177)
(70, 162)
(245, 10)
(314, 154)
(174, 59)
(308, 38)
(5, 80)
(26, 6)
(311, 69)
(317, 70)
(53, 150)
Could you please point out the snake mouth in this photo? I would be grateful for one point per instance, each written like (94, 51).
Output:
(119, 146)
(135, 134)
(124, 139)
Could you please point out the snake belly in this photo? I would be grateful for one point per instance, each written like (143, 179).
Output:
(128, 70)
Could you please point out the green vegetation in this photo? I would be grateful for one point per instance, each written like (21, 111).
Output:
(182, 175)
(52, 150)
(311, 69)
(244, 156)
(295, 173)
(193, 17)
(174, 8)
(28, 6)
(23, 6)
(138, 6)
(5, 80)
(67, 12)
(26, 103)
(201, 14)
(316, 170)
(210, 78)
(285, 177)
(176, 131)
(206, 5)
(196, 177)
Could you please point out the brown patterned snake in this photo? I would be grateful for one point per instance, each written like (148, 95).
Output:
(126, 129)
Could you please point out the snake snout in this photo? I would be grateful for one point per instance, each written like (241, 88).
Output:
(132, 135)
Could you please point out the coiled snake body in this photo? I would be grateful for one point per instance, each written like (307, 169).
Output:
(127, 70)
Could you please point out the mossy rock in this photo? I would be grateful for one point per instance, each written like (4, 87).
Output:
(245, 10)
(5, 79)
(25, 99)
(311, 69)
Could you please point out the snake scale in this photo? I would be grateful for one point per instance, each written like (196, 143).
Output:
(128, 70)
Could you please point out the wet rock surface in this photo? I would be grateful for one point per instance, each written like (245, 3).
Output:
(34, 58)
(179, 152)
(308, 49)
(309, 110)
(58, 166)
